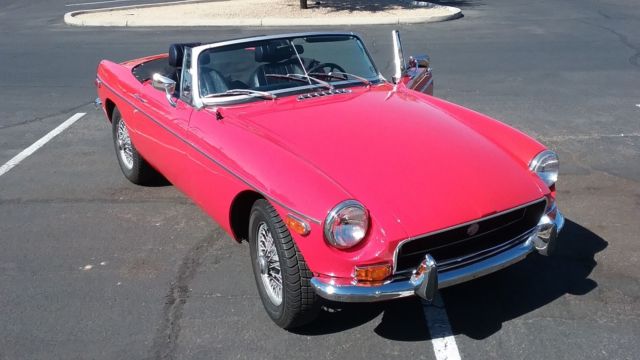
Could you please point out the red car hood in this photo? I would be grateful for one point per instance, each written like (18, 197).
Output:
(407, 160)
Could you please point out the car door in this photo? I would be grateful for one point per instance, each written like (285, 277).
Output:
(164, 132)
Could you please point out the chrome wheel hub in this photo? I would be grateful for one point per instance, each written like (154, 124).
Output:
(264, 265)
(269, 264)
(125, 150)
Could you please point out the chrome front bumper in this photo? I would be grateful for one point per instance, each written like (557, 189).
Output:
(427, 279)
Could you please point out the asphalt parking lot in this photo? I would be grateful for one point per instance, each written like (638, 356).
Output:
(93, 267)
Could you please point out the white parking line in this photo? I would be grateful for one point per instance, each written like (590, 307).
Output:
(38, 144)
(444, 344)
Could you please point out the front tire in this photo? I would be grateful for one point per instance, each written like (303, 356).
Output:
(281, 273)
(134, 167)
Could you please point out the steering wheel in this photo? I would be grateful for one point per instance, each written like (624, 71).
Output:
(326, 65)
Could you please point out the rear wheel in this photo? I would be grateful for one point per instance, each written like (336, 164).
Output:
(133, 165)
(281, 273)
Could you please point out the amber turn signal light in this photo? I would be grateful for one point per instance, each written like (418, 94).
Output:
(296, 225)
(372, 272)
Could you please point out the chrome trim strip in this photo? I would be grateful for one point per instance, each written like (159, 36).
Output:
(486, 252)
(404, 288)
(395, 252)
(211, 159)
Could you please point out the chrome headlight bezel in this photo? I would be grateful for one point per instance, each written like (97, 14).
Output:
(340, 212)
(547, 166)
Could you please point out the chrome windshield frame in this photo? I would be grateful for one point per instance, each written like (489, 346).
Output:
(200, 102)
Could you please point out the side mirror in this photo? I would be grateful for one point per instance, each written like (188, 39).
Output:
(419, 74)
(398, 58)
(419, 62)
(165, 84)
(416, 73)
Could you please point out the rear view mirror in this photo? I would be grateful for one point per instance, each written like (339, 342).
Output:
(165, 84)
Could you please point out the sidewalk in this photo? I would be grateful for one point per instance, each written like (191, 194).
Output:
(266, 13)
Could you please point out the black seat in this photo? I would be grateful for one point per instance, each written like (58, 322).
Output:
(211, 80)
(279, 58)
(176, 55)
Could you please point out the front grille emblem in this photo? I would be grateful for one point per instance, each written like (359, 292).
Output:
(473, 229)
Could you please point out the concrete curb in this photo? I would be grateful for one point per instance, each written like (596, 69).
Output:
(71, 18)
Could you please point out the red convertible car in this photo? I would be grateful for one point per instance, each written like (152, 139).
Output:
(347, 186)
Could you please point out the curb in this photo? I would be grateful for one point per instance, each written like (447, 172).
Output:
(71, 18)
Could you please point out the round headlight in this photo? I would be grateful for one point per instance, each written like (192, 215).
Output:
(546, 165)
(346, 225)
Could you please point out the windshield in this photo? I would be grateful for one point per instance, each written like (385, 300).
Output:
(284, 65)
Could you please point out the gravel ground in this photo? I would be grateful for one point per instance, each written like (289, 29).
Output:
(283, 9)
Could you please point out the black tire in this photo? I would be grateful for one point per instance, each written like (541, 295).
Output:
(299, 302)
(138, 171)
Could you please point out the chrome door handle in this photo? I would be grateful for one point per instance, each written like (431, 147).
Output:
(139, 98)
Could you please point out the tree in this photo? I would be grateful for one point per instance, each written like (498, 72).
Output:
(303, 4)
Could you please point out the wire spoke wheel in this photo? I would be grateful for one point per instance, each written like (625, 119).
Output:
(134, 167)
(125, 150)
(269, 264)
(281, 274)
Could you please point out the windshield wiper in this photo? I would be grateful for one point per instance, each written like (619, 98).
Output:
(333, 74)
(301, 78)
(249, 92)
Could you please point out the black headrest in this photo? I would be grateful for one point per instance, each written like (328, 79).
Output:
(274, 52)
(204, 60)
(176, 53)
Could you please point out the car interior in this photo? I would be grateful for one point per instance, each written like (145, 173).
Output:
(248, 65)
(170, 66)
(273, 57)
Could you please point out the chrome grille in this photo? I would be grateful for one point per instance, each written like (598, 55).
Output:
(460, 245)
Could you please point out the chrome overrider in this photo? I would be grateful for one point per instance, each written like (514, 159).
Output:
(426, 279)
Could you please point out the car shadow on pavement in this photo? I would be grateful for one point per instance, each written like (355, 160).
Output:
(478, 308)
(401, 319)
(158, 181)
